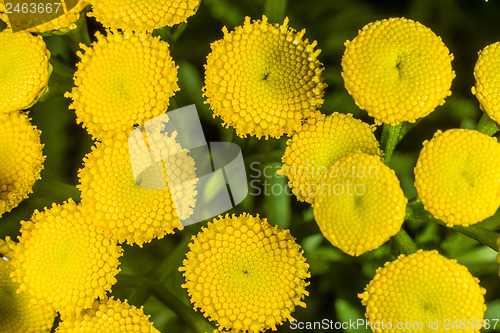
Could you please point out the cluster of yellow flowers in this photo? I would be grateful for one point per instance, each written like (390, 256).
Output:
(264, 80)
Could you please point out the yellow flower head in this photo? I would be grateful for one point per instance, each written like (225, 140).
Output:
(132, 211)
(424, 287)
(360, 204)
(124, 79)
(21, 159)
(62, 261)
(263, 78)
(15, 314)
(457, 176)
(245, 274)
(319, 142)
(24, 70)
(142, 15)
(487, 74)
(397, 70)
(109, 316)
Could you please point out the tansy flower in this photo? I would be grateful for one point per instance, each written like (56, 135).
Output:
(424, 287)
(15, 314)
(130, 210)
(62, 261)
(487, 74)
(457, 176)
(263, 78)
(245, 274)
(122, 80)
(319, 142)
(397, 70)
(110, 316)
(21, 159)
(142, 15)
(24, 70)
(360, 204)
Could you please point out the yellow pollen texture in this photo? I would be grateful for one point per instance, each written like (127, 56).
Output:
(245, 274)
(263, 78)
(457, 176)
(397, 70)
(360, 204)
(424, 287)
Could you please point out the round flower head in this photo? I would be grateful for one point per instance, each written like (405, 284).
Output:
(24, 70)
(62, 261)
(142, 15)
(397, 70)
(110, 316)
(457, 176)
(487, 74)
(15, 314)
(424, 287)
(319, 142)
(122, 80)
(136, 210)
(245, 274)
(263, 78)
(360, 204)
(21, 159)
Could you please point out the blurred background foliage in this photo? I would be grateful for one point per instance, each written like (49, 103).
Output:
(149, 275)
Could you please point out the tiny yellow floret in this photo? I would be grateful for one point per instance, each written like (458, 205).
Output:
(457, 176)
(320, 141)
(245, 274)
(360, 204)
(263, 79)
(424, 287)
(397, 70)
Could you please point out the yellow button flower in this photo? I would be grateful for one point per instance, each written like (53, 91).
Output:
(263, 78)
(424, 287)
(245, 274)
(24, 70)
(142, 15)
(122, 80)
(16, 316)
(360, 204)
(487, 74)
(397, 70)
(62, 261)
(457, 176)
(21, 159)
(108, 316)
(128, 211)
(319, 142)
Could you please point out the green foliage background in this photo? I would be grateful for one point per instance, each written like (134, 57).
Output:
(149, 275)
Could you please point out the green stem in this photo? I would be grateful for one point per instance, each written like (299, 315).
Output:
(390, 138)
(275, 10)
(55, 189)
(265, 157)
(404, 243)
(78, 35)
(487, 126)
(416, 210)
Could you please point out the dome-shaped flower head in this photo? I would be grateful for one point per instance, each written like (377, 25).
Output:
(16, 316)
(245, 274)
(142, 15)
(457, 176)
(263, 78)
(360, 204)
(110, 316)
(62, 261)
(424, 287)
(130, 209)
(21, 159)
(319, 142)
(397, 70)
(122, 80)
(487, 74)
(24, 70)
